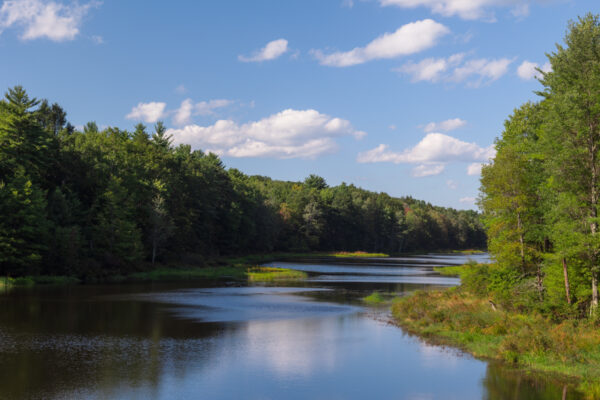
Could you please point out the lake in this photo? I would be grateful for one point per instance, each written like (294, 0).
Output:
(314, 339)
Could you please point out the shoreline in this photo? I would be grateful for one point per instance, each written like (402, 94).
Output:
(232, 268)
(454, 318)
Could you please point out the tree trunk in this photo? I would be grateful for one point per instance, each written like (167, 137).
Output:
(594, 305)
(566, 273)
(594, 223)
(521, 241)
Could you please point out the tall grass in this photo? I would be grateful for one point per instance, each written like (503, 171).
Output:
(454, 317)
(269, 274)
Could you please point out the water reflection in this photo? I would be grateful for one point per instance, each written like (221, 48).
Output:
(182, 341)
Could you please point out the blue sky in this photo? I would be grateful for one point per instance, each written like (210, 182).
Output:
(401, 96)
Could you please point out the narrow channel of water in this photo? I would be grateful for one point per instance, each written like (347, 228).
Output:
(315, 340)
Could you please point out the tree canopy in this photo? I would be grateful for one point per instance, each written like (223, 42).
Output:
(108, 201)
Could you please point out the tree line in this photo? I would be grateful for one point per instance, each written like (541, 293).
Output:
(540, 195)
(94, 202)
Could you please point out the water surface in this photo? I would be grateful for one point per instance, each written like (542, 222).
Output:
(315, 340)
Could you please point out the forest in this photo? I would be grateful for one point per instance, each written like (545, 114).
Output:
(540, 195)
(96, 202)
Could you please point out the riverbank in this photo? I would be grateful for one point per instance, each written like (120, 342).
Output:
(233, 268)
(457, 318)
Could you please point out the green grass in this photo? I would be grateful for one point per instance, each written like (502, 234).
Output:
(38, 280)
(269, 274)
(374, 298)
(469, 251)
(450, 271)
(356, 254)
(456, 318)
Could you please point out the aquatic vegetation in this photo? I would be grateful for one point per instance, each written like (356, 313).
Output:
(268, 274)
(374, 298)
(357, 254)
(468, 251)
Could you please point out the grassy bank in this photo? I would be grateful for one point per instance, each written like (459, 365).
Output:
(270, 274)
(6, 282)
(457, 318)
(355, 254)
(468, 251)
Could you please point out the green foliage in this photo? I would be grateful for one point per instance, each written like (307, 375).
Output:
(270, 274)
(105, 202)
(541, 193)
(374, 298)
(459, 318)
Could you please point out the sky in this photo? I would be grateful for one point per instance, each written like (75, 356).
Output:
(397, 96)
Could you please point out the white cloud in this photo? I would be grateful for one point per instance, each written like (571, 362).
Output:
(98, 39)
(429, 69)
(465, 9)
(444, 126)
(468, 200)
(428, 170)
(271, 51)
(408, 39)
(484, 70)
(528, 70)
(474, 169)
(147, 112)
(348, 3)
(183, 115)
(288, 134)
(454, 69)
(180, 89)
(44, 19)
(433, 148)
(209, 107)
(433, 152)
(451, 184)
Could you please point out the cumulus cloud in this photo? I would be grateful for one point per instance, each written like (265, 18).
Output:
(44, 19)
(529, 70)
(433, 152)
(444, 126)
(483, 70)
(408, 39)
(465, 9)
(434, 147)
(271, 51)
(147, 112)
(209, 107)
(183, 114)
(427, 170)
(456, 69)
(187, 109)
(287, 134)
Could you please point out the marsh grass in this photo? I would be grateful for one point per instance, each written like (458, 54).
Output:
(453, 317)
(375, 298)
(269, 274)
(356, 254)
(450, 271)
(468, 251)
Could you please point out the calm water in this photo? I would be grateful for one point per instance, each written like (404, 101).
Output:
(185, 341)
